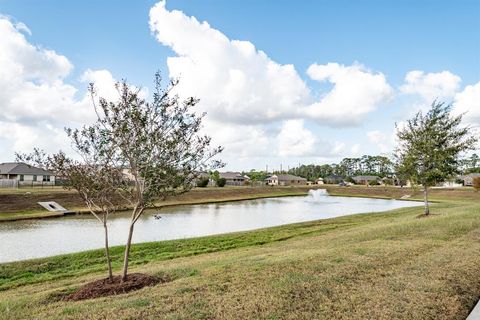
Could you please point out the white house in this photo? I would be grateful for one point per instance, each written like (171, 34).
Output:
(14, 174)
(285, 180)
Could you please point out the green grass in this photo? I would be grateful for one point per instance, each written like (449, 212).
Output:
(388, 265)
(71, 265)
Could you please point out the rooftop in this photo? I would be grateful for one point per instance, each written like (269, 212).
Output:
(21, 168)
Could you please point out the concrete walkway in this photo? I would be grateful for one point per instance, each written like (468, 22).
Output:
(475, 314)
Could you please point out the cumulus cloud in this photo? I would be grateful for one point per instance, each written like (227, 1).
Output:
(235, 81)
(381, 140)
(441, 85)
(356, 92)
(238, 83)
(444, 86)
(295, 140)
(468, 102)
(35, 101)
(252, 100)
(355, 150)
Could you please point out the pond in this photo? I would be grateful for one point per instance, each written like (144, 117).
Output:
(46, 237)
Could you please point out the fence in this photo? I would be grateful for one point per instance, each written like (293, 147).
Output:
(8, 183)
(13, 183)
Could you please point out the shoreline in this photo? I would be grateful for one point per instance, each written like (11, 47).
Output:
(231, 194)
(277, 193)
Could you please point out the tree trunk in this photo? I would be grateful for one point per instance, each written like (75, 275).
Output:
(107, 252)
(425, 196)
(127, 251)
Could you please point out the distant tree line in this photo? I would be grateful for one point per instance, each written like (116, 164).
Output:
(380, 166)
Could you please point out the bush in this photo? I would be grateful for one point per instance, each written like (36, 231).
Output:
(476, 183)
(221, 182)
(350, 179)
(373, 183)
(202, 182)
(388, 182)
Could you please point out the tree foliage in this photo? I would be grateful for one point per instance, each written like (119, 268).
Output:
(366, 165)
(430, 146)
(202, 182)
(159, 142)
(96, 177)
(136, 154)
(221, 182)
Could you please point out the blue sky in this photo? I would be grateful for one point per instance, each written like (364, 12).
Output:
(387, 37)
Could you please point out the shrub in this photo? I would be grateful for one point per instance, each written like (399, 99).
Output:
(476, 183)
(221, 182)
(202, 182)
(373, 183)
(388, 182)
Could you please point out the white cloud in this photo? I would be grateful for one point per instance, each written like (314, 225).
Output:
(338, 149)
(441, 85)
(381, 140)
(355, 150)
(240, 84)
(31, 79)
(253, 102)
(20, 26)
(468, 102)
(234, 81)
(356, 92)
(295, 140)
(35, 101)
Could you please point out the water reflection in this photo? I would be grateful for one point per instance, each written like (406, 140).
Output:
(39, 238)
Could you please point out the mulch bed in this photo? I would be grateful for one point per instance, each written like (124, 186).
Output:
(106, 287)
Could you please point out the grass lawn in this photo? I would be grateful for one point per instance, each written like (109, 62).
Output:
(388, 265)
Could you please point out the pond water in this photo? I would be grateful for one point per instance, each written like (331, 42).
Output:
(46, 237)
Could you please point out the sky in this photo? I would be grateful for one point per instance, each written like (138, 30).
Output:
(282, 82)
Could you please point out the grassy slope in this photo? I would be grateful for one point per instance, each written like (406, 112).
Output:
(381, 265)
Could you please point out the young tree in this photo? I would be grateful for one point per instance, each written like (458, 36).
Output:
(160, 144)
(430, 145)
(95, 178)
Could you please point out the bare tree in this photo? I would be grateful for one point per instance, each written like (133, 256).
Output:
(160, 144)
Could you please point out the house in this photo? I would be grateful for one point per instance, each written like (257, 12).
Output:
(14, 174)
(319, 181)
(450, 183)
(285, 180)
(468, 179)
(234, 178)
(333, 179)
(200, 176)
(365, 179)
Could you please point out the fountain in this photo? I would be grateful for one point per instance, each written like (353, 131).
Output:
(317, 195)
